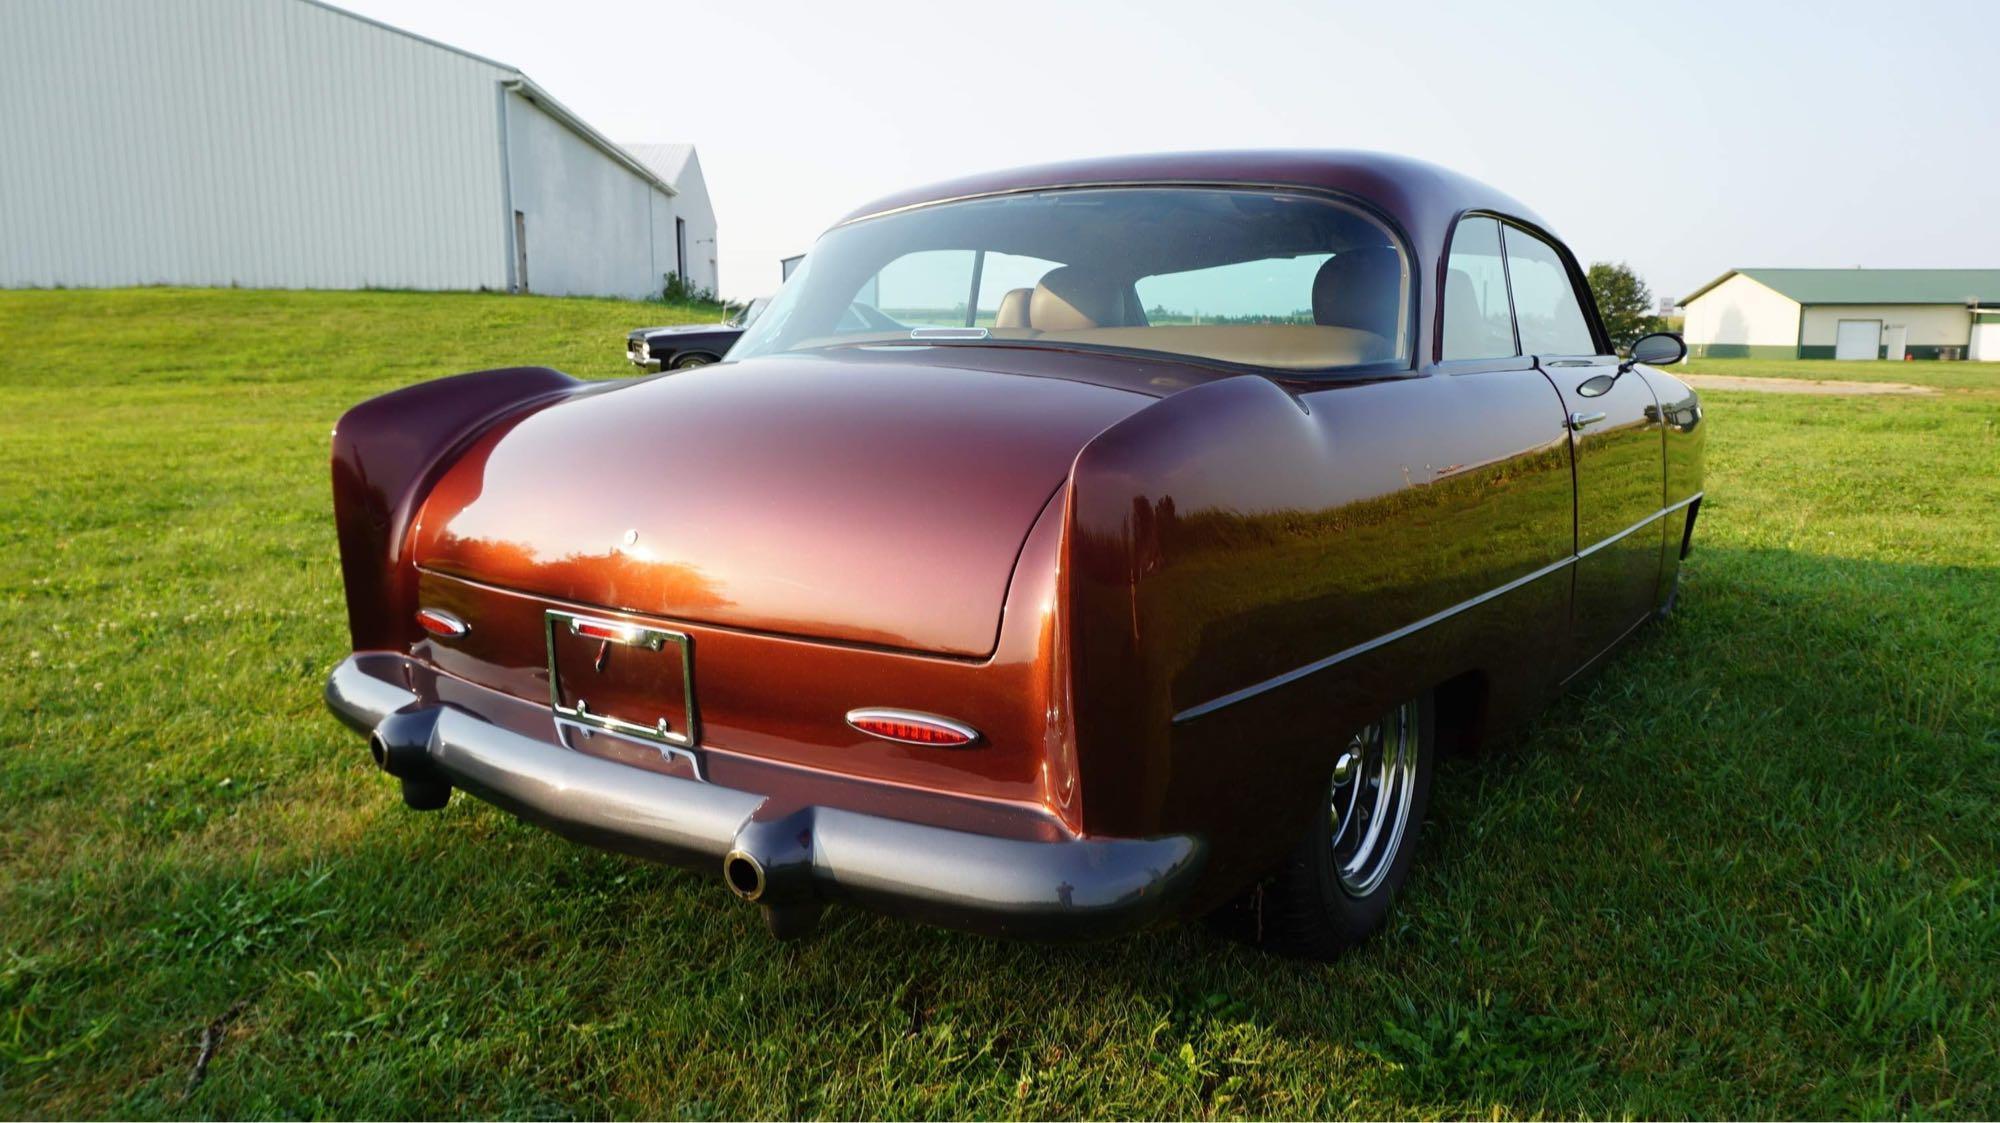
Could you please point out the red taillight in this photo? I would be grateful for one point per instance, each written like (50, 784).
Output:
(597, 629)
(913, 728)
(441, 623)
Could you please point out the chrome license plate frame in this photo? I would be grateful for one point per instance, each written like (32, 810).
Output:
(624, 633)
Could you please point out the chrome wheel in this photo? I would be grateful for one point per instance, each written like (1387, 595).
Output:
(1374, 784)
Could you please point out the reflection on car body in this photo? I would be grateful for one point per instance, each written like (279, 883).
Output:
(1061, 551)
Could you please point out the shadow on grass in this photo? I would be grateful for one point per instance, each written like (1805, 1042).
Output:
(1745, 869)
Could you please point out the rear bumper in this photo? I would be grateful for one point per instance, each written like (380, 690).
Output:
(803, 853)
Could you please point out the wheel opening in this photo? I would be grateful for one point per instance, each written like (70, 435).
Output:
(1460, 719)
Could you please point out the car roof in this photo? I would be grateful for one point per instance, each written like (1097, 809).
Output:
(1421, 198)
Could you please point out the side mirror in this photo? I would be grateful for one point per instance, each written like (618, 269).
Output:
(1662, 348)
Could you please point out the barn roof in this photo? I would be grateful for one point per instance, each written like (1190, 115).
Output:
(668, 161)
(518, 81)
(1872, 286)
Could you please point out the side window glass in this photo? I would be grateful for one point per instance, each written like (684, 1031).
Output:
(1478, 323)
(1002, 274)
(927, 288)
(1545, 303)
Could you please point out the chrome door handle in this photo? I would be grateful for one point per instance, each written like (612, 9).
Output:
(1580, 419)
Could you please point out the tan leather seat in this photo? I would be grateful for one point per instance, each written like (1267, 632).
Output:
(1013, 310)
(1072, 298)
(1283, 346)
(1361, 288)
(1467, 334)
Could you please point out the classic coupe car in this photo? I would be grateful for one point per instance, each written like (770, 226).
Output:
(697, 345)
(689, 345)
(1194, 506)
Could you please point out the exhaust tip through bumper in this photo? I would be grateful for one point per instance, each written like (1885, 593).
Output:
(787, 859)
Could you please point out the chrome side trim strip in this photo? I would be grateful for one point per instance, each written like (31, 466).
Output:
(1364, 647)
(1636, 527)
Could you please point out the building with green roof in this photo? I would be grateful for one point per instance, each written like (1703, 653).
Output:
(1846, 314)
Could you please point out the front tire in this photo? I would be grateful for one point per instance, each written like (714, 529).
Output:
(694, 359)
(1336, 888)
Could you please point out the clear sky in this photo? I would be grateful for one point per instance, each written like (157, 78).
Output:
(1683, 139)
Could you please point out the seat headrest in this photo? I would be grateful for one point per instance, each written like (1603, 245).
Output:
(1467, 333)
(1072, 298)
(1361, 288)
(1013, 310)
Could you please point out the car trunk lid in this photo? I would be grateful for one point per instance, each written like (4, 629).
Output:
(867, 498)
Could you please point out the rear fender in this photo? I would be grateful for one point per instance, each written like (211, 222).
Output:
(1255, 573)
(1186, 464)
(387, 452)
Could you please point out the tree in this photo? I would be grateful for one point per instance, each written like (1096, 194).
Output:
(1625, 303)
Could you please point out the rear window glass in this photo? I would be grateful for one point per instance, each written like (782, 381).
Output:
(1257, 277)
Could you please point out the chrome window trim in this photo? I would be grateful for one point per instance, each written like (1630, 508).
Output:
(1409, 329)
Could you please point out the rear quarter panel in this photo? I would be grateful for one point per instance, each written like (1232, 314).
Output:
(387, 452)
(1226, 540)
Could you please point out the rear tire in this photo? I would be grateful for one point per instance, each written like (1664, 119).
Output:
(1336, 888)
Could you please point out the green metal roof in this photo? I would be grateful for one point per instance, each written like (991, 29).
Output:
(1873, 286)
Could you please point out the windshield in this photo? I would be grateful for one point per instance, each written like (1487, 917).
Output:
(747, 315)
(1258, 277)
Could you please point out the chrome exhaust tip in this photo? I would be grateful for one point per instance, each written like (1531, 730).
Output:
(743, 874)
(771, 865)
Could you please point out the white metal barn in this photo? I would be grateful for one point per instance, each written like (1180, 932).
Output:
(290, 144)
(1846, 314)
(694, 220)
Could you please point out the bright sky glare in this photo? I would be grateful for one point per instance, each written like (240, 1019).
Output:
(1685, 139)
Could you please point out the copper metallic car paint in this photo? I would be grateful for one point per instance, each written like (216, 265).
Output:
(1160, 589)
(874, 499)
(781, 698)
(387, 452)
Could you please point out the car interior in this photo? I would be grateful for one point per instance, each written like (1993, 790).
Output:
(1356, 302)
(1273, 311)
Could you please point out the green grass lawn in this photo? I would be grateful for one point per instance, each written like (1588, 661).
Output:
(1944, 376)
(1753, 868)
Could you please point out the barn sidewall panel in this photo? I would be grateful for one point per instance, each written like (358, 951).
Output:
(243, 142)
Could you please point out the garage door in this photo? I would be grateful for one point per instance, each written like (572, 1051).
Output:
(1857, 339)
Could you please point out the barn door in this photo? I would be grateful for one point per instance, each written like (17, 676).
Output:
(520, 252)
(1857, 339)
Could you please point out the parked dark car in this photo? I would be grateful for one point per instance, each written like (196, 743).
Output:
(1186, 511)
(689, 345)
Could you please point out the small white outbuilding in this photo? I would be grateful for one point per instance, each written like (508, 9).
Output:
(1846, 314)
(291, 144)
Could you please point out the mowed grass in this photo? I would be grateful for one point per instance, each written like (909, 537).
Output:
(1752, 868)
(1952, 376)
